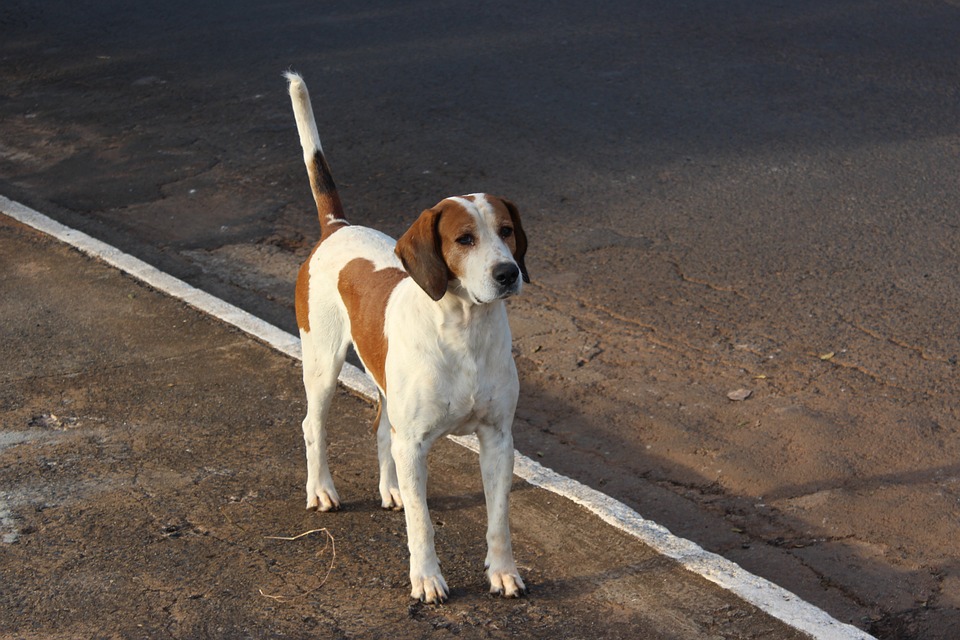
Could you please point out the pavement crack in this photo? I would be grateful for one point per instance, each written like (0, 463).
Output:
(190, 174)
(705, 283)
(136, 363)
(651, 332)
(897, 342)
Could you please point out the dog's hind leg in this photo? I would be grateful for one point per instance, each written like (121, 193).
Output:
(389, 489)
(323, 356)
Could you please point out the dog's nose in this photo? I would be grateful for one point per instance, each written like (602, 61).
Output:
(506, 273)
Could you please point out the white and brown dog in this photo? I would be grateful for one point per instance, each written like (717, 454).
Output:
(426, 316)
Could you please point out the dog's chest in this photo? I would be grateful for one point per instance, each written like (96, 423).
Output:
(482, 378)
(476, 379)
(457, 376)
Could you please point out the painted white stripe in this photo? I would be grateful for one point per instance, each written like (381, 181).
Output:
(763, 594)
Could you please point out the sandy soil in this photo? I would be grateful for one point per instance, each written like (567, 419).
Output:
(151, 485)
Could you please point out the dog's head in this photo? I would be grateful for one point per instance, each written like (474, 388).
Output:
(474, 245)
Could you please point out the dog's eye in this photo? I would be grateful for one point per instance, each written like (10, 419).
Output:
(466, 240)
(506, 232)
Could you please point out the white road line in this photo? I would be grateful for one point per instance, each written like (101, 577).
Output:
(763, 594)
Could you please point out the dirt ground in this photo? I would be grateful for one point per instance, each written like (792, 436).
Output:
(151, 486)
(719, 197)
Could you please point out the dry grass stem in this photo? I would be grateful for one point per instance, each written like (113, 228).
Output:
(331, 544)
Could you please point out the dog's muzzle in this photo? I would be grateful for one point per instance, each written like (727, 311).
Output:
(507, 276)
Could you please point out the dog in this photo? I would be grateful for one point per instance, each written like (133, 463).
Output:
(425, 314)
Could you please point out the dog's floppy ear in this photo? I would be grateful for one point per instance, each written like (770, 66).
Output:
(520, 236)
(419, 251)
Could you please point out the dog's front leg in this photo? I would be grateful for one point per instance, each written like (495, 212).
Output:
(496, 466)
(410, 457)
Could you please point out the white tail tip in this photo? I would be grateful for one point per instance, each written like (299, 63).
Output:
(303, 112)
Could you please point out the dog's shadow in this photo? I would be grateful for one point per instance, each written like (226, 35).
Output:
(437, 502)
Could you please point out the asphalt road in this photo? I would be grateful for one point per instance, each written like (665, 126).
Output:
(720, 196)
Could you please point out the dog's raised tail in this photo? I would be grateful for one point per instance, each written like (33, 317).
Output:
(324, 189)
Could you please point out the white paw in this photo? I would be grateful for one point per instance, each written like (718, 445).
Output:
(323, 499)
(431, 589)
(390, 499)
(508, 584)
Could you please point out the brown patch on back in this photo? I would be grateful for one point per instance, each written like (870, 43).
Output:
(365, 292)
(302, 295)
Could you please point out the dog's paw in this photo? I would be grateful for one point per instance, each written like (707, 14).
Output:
(323, 499)
(390, 499)
(430, 589)
(508, 584)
